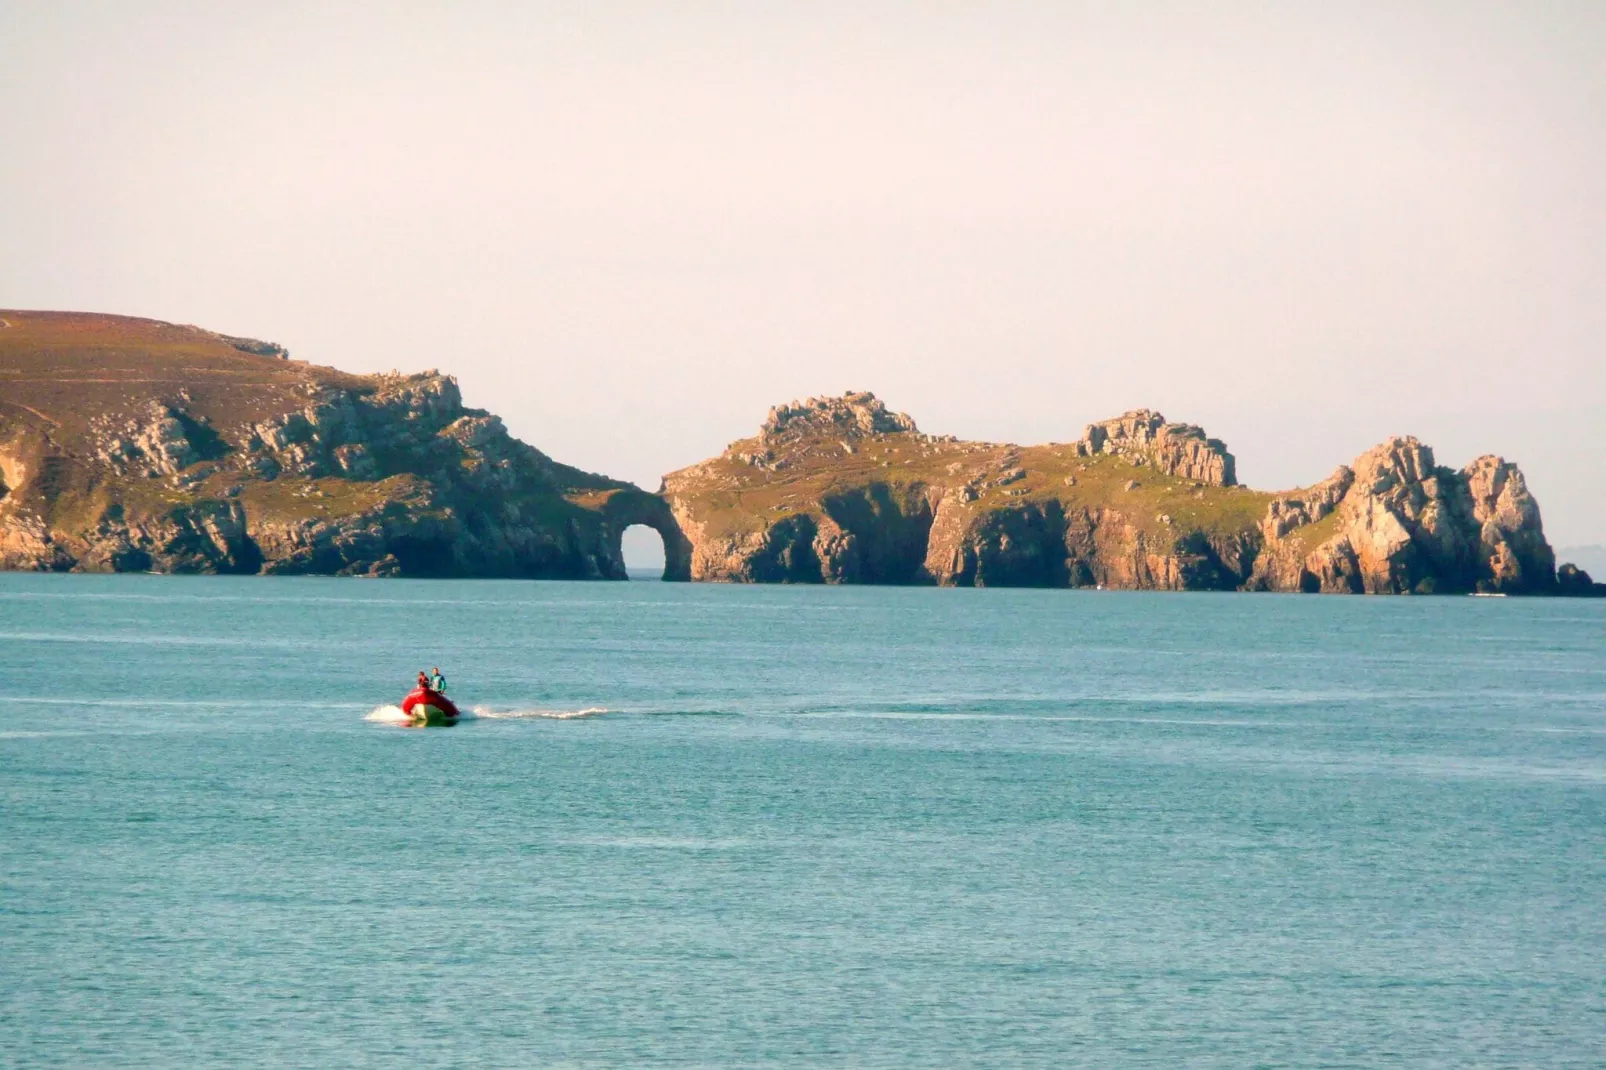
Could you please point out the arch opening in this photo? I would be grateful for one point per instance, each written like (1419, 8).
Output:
(642, 549)
(630, 511)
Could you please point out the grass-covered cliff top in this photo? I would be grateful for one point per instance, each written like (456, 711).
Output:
(73, 385)
(62, 369)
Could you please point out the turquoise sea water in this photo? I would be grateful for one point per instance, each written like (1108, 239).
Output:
(815, 827)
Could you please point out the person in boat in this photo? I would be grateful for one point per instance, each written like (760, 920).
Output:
(437, 682)
(426, 705)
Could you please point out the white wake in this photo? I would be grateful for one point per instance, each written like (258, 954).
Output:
(489, 714)
(393, 715)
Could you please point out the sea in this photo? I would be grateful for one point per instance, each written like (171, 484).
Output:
(747, 826)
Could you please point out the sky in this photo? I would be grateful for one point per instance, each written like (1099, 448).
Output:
(630, 229)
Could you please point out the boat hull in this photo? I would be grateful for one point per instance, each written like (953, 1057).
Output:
(432, 716)
(429, 708)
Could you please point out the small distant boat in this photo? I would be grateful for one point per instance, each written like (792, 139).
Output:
(429, 708)
(1488, 594)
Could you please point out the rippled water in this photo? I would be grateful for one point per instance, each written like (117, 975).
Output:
(814, 827)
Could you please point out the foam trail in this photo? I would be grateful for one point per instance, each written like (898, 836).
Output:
(487, 713)
(393, 714)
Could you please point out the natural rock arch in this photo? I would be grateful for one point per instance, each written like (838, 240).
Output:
(630, 507)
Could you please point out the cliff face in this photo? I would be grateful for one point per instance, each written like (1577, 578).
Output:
(1396, 522)
(130, 444)
(840, 490)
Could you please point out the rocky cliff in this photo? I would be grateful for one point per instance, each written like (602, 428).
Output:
(1396, 522)
(841, 490)
(129, 444)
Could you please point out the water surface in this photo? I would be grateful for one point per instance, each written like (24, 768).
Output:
(845, 827)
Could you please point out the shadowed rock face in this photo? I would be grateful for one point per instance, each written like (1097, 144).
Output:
(841, 490)
(629, 507)
(131, 444)
(1572, 580)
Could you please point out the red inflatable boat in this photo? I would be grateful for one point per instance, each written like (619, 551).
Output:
(426, 707)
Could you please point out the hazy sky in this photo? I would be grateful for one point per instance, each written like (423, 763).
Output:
(630, 229)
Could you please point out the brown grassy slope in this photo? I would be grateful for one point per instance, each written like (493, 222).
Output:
(92, 468)
(59, 370)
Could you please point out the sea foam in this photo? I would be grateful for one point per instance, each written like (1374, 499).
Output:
(389, 714)
(489, 714)
(386, 715)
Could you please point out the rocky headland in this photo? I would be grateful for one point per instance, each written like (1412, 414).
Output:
(842, 490)
(136, 445)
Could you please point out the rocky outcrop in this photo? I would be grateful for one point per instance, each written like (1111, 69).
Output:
(139, 445)
(1402, 524)
(792, 432)
(855, 413)
(207, 453)
(1143, 436)
(841, 490)
(1512, 554)
(1574, 581)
